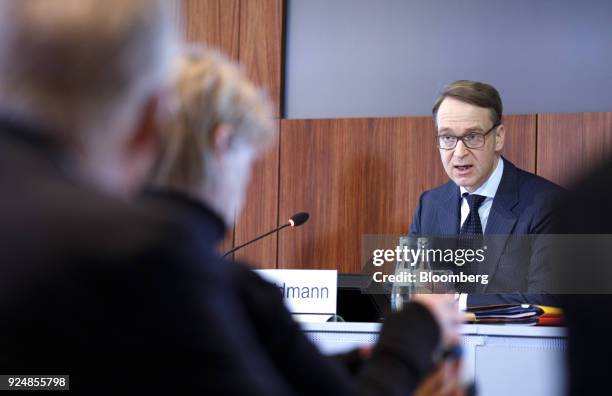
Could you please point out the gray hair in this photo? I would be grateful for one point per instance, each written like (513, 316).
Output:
(210, 91)
(80, 65)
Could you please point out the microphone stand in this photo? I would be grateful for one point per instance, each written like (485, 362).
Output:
(255, 240)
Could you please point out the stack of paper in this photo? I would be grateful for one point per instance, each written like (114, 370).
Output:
(525, 314)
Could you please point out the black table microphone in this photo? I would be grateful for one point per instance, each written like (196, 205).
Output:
(294, 221)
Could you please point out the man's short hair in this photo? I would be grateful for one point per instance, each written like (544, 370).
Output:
(209, 91)
(74, 65)
(474, 92)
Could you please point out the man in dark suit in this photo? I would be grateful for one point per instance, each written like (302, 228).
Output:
(487, 195)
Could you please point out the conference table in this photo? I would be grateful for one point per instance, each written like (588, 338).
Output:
(503, 359)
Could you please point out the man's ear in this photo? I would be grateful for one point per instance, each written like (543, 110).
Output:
(142, 144)
(500, 136)
(145, 136)
(220, 139)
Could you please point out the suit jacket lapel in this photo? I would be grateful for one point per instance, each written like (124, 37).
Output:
(448, 212)
(501, 221)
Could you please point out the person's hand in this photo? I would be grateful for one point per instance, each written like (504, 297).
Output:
(444, 309)
(445, 380)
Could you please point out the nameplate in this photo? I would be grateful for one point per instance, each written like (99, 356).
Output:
(305, 291)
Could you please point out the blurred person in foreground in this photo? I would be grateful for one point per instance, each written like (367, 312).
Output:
(583, 276)
(92, 286)
(219, 126)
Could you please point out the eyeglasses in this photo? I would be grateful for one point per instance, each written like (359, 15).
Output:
(473, 140)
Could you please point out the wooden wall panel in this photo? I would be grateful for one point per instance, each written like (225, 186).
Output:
(354, 176)
(213, 22)
(261, 24)
(520, 144)
(260, 47)
(260, 213)
(572, 144)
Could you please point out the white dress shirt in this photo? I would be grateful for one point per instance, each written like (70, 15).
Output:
(488, 190)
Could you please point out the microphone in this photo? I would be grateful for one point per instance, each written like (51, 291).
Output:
(298, 219)
(294, 221)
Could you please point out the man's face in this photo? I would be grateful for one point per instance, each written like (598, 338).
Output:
(468, 167)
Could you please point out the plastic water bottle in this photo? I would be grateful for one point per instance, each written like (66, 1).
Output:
(401, 291)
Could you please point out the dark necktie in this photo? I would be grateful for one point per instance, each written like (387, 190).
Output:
(471, 237)
(472, 224)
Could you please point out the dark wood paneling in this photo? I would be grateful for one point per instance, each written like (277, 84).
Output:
(260, 213)
(213, 22)
(354, 176)
(261, 44)
(520, 144)
(572, 144)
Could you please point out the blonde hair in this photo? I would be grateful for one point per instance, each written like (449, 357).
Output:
(210, 91)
